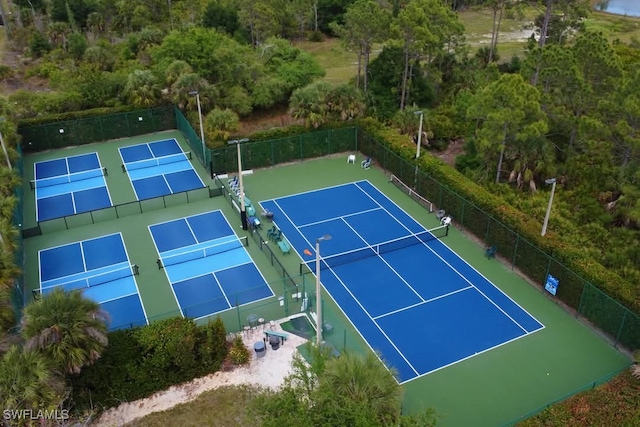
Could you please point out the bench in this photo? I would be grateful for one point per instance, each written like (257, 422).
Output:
(284, 246)
(327, 327)
(282, 335)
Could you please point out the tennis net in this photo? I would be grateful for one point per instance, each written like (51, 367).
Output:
(336, 260)
(202, 252)
(411, 193)
(65, 179)
(157, 161)
(99, 279)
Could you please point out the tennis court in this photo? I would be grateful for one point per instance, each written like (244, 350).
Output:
(207, 264)
(69, 185)
(413, 300)
(100, 267)
(159, 168)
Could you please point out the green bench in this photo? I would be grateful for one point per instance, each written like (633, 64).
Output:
(284, 246)
(282, 335)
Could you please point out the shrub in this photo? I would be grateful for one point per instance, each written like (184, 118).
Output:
(239, 353)
(139, 362)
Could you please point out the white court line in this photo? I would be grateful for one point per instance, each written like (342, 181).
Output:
(210, 272)
(105, 181)
(127, 172)
(165, 272)
(465, 358)
(191, 230)
(385, 261)
(458, 272)
(221, 290)
(84, 262)
(146, 318)
(422, 303)
(120, 297)
(357, 302)
(337, 217)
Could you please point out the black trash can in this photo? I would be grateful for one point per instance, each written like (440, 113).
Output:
(275, 342)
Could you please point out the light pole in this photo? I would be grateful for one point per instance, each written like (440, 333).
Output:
(419, 133)
(204, 157)
(546, 217)
(4, 147)
(243, 211)
(415, 174)
(319, 322)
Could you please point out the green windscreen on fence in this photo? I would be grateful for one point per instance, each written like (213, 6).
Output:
(71, 133)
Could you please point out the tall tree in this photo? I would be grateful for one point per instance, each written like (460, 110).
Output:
(423, 28)
(69, 329)
(365, 23)
(509, 115)
(142, 89)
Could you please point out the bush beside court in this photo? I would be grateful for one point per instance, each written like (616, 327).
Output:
(139, 362)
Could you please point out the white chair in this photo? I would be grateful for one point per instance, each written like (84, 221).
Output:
(351, 158)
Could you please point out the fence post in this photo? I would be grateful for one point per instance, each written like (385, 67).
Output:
(515, 251)
(584, 290)
(624, 319)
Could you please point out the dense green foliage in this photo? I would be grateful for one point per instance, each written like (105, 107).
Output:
(349, 390)
(139, 362)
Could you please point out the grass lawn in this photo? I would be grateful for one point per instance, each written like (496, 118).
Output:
(340, 64)
(223, 407)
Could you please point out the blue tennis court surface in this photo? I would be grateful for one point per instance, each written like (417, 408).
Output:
(158, 169)
(207, 265)
(102, 269)
(69, 185)
(413, 299)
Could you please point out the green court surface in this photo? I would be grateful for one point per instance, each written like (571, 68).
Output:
(494, 388)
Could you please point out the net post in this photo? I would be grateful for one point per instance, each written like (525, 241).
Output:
(159, 262)
(32, 185)
(136, 269)
(105, 172)
(36, 294)
(124, 168)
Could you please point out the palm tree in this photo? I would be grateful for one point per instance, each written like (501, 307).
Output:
(365, 384)
(28, 381)
(70, 329)
(141, 88)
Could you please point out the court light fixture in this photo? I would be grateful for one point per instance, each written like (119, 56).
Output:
(546, 217)
(197, 95)
(419, 132)
(319, 321)
(243, 210)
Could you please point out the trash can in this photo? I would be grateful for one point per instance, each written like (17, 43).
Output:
(260, 349)
(275, 342)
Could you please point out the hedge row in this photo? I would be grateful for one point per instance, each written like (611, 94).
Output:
(572, 257)
(139, 362)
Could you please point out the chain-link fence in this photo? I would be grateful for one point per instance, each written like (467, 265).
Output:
(72, 133)
(260, 154)
(18, 289)
(618, 322)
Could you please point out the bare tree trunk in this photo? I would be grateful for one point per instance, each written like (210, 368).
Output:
(543, 39)
(494, 34)
(405, 76)
(367, 53)
(359, 68)
(504, 144)
(315, 16)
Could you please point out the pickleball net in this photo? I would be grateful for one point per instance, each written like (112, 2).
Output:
(68, 178)
(157, 161)
(199, 253)
(94, 280)
(354, 255)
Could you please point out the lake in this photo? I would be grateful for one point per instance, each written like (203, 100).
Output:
(619, 7)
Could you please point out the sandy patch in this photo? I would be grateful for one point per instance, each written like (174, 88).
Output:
(268, 371)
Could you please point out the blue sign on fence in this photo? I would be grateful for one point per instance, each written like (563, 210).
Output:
(551, 284)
